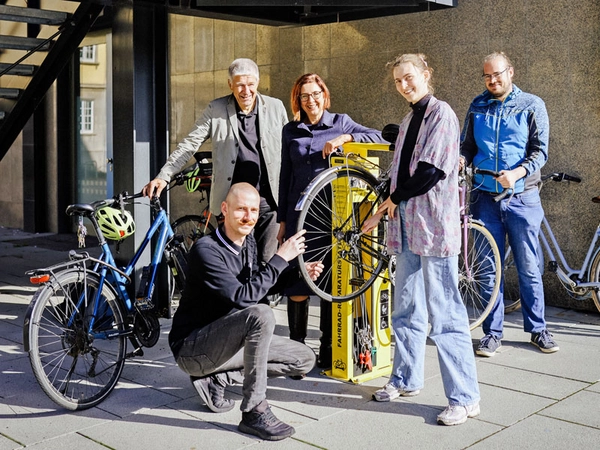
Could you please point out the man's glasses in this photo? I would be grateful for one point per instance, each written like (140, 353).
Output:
(315, 95)
(495, 75)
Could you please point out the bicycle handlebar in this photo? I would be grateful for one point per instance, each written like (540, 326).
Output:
(561, 176)
(88, 209)
(556, 176)
(494, 174)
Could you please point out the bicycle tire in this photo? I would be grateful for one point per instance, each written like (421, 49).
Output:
(594, 277)
(74, 368)
(333, 234)
(176, 259)
(191, 228)
(512, 296)
(483, 258)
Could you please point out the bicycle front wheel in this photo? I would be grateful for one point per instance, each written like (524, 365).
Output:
(332, 216)
(75, 339)
(594, 277)
(479, 273)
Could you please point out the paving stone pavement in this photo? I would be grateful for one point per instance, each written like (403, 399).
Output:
(529, 399)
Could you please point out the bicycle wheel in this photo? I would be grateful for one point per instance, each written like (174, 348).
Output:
(512, 296)
(595, 278)
(332, 216)
(176, 259)
(192, 228)
(479, 273)
(77, 367)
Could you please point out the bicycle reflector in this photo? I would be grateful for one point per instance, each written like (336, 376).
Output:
(114, 224)
(39, 278)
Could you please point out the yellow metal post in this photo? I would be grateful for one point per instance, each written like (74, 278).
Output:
(377, 299)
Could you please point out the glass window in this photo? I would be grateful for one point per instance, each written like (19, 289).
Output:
(86, 124)
(87, 54)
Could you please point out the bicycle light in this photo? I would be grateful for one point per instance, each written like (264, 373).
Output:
(39, 279)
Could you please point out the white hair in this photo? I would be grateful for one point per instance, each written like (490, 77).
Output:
(243, 66)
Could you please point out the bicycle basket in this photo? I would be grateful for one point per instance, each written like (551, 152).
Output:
(114, 224)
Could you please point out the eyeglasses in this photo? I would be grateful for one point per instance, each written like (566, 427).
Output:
(315, 95)
(495, 75)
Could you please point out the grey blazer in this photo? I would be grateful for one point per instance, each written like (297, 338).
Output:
(219, 123)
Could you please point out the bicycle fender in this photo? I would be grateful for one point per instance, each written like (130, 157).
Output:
(326, 175)
(478, 222)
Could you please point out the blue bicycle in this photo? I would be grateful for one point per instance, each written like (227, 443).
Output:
(79, 321)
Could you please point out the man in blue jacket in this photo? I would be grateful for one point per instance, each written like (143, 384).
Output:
(245, 131)
(506, 130)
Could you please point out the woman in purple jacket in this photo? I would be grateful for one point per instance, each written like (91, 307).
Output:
(307, 142)
(424, 234)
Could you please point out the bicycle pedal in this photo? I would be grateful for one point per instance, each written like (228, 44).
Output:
(137, 352)
(144, 304)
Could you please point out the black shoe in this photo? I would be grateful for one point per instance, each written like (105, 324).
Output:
(265, 425)
(212, 391)
(324, 358)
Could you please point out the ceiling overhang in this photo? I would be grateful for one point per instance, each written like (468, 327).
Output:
(302, 12)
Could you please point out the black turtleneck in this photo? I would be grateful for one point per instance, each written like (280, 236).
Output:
(426, 175)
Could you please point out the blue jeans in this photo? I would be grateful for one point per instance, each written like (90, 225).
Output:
(426, 290)
(243, 343)
(519, 218)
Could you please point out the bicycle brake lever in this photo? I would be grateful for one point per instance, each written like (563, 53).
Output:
(503, 194)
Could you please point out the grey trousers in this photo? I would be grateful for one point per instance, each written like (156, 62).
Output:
(242, 346)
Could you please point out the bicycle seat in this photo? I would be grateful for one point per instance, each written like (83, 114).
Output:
(80, 209)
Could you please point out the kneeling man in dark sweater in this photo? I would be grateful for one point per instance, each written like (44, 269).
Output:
(222, 331)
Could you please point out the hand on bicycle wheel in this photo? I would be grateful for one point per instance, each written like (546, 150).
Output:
(293, 246)
(314, 269)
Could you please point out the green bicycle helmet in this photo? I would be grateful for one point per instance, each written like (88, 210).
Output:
(200, 178)
(114, 224)
(192, 182)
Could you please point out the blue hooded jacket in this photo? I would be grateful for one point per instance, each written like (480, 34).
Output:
(503, 135)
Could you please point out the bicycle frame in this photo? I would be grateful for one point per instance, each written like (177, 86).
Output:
(165, 232)
(118, 278)
(573, 277)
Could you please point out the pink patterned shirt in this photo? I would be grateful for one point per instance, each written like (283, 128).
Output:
(432, 219)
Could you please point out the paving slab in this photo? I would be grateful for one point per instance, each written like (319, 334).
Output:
(519, 380)
(529, 399)
(582, 407)
(541, 433)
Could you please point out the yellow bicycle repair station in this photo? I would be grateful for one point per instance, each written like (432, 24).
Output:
(358, 353)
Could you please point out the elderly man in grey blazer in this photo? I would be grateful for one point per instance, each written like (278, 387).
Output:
(245, 129)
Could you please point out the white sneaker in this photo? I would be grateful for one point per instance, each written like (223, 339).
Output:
(390, 392)
(455, 415)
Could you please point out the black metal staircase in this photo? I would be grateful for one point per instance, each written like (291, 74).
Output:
(18, 104)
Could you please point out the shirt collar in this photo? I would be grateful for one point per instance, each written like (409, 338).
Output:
(242, 114)
(421, 104)
(325, 121)
(228, 243)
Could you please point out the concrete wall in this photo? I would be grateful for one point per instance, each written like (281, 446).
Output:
(554, 50)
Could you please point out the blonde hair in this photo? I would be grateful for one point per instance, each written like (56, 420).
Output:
(419, 60)
(496, 55)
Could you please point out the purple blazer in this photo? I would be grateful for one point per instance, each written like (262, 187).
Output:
(302, 160)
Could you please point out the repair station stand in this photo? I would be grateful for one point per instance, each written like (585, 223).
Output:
(361, 337)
